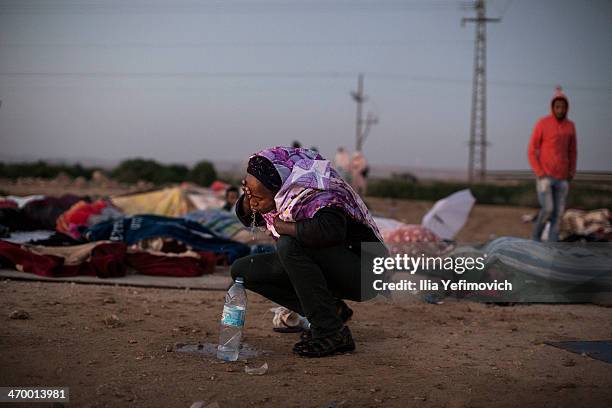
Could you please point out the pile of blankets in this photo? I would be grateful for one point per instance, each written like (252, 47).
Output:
(98, 238)
(593, 226)
(580, 225)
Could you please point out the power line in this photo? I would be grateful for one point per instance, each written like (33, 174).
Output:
(292, 44)
(605, 88)
(188, 75)
(219, 6)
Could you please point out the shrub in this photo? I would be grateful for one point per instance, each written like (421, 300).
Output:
(203, 173)
(133, 170)
(42, 169)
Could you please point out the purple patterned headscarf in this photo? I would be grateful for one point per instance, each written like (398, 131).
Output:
(310, 184)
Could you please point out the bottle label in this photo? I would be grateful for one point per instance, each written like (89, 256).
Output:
(233, 316)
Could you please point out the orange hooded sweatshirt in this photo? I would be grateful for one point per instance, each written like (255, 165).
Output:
(552, 148)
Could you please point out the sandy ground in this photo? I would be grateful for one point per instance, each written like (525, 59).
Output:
(410, 354)
(457, 354)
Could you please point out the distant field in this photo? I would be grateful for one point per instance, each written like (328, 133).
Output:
(589, 190)
(583, 194)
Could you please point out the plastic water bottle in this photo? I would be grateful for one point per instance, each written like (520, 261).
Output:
(232, 322)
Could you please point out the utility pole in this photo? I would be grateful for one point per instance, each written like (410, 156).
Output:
(360, 98)
(477, 166)
(360, 133)
(371, 119)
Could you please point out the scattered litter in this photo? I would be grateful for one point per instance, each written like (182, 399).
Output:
(449, 214)
(112, 321)
(527, 218)
(109, 300)
(19, 315)
(569, 363)
(285, 320)
(256, 371)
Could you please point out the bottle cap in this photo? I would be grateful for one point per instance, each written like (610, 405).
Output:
(240, 280)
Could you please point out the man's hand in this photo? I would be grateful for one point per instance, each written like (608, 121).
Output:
(248, 197)
(284, 228)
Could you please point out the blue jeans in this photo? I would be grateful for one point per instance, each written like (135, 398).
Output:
(551, 195)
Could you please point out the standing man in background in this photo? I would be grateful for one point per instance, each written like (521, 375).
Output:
(359, 173)
(552, 156)
(342, 163)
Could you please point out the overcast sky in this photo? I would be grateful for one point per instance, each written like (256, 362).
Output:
(180, 81)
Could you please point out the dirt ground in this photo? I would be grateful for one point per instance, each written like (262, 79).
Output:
(115, 346)
(411, 354)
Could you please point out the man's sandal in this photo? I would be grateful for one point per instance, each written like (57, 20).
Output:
(339, 342)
